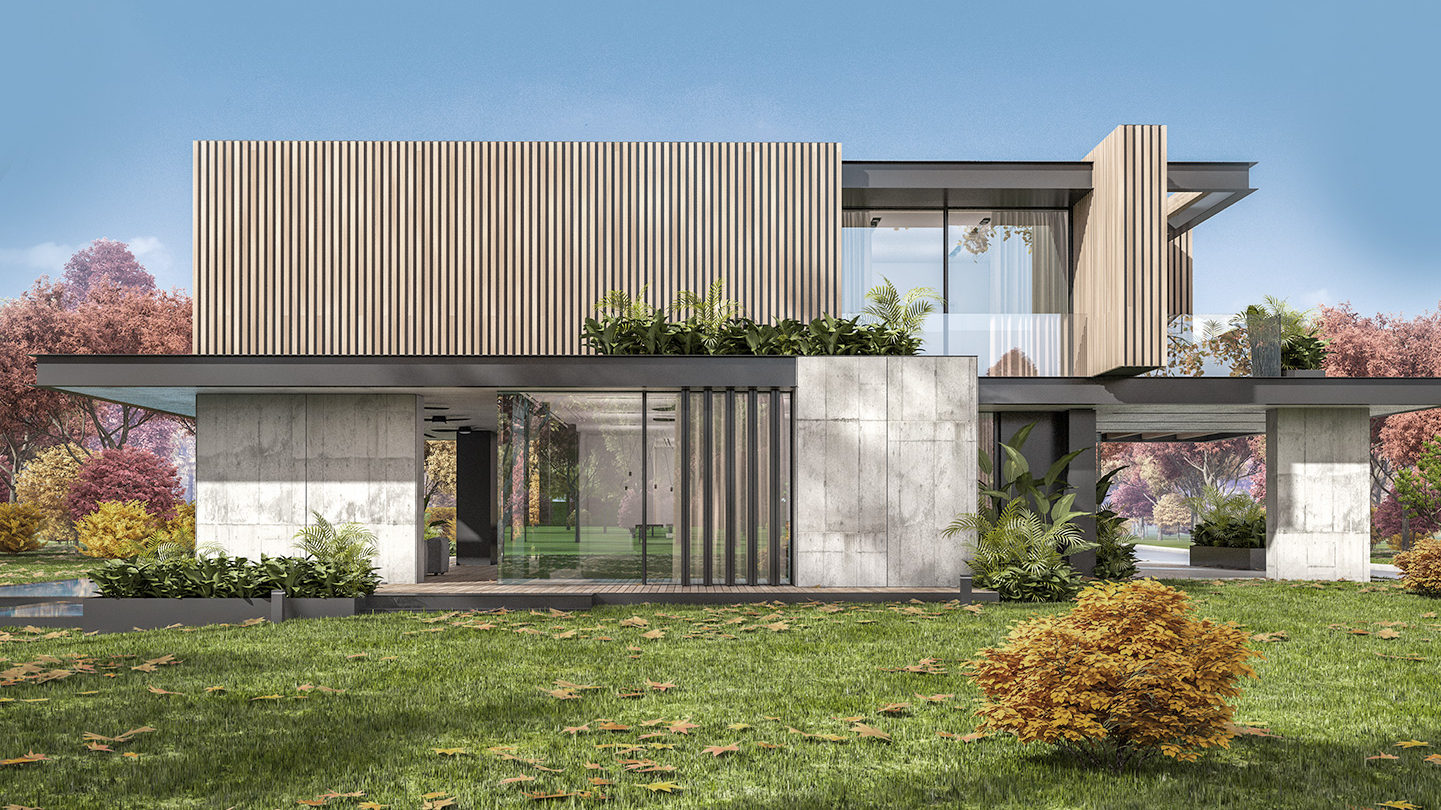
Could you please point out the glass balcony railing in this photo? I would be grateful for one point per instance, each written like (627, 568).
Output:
(1005, 344)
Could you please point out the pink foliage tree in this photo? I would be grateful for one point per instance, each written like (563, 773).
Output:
(124, 474)
(104, 265)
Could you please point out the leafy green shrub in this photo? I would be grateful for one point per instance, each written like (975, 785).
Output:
(218, 577)
(19, 523)
(1115, 547)
(715, 325)
(1230, 520)
(1020, 556)
(116, 529)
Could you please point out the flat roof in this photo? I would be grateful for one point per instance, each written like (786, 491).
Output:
(1126, 407)
(1209, 186)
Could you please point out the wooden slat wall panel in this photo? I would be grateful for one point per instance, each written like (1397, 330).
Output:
(1121, 287)
(1178, 267)
(409, 248)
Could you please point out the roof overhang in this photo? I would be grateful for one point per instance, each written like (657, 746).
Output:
(1202, 408)
(1199, 191)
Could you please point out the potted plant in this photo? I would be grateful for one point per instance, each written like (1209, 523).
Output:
(1231, 533)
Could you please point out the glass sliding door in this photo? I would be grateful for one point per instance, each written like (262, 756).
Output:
(689, 487)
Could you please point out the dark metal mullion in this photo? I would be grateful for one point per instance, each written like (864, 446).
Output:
(644, 484)
(730, 474)
(684, 416)
(753, 450)
(773, 533)
(791, 502)
(707, 485)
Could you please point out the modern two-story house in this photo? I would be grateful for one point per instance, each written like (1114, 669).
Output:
(353, 299)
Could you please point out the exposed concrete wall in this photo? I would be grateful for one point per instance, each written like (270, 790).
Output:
(885, 458)
(265, 462)
(1318, 517)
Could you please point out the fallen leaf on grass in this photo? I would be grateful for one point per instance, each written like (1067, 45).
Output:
(30, 756)
(738, 726)
(653, 634)
(95, 746)
(634, 621)
(560, 694)
(577, 686)
(155, 690)
(681, 727)
(266, 697)
(721, 750)
(1274, 635)
(662, 787)
(214, 689)
(575, 729)
(863, 730)
(1399, 804)
(600, 781)
(131, 754)
(450, 752)
(1251, 731)
(1434, 759)
(933, 698)
(514, 779)
(1411, 744)
(1382, 756)
(768, 746)
(1388, 633)
(612, 726)
(660, 687)
(371, 806)
(894, 708)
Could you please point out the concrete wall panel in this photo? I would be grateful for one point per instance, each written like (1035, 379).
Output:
(885, 458)
(1318, 468)
(265, 462)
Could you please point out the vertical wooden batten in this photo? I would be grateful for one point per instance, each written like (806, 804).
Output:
(1122, 280)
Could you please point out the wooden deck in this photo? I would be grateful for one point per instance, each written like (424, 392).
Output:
(475, 586)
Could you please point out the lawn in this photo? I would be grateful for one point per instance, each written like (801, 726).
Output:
(45, 565)
(477, 688)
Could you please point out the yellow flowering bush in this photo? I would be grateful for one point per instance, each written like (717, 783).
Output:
(1421, 567)
(116, 529)
(1127, 673)
(18, 524)
(45, 482)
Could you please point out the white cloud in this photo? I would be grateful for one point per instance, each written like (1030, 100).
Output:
(153, 254)
(46, 257)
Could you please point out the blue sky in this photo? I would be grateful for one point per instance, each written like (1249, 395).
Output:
(99, 104)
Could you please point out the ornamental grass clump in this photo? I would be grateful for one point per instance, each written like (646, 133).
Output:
(1127, 674)
(19, 523)
(1421, 567)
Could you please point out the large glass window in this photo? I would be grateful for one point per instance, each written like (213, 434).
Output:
(1004, 276)
(690, 487)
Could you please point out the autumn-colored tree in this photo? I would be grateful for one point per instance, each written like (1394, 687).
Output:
(45, 483)
(104, 265)
(116, 529)
(1421, 567)
(1171, 513)
(19, 523)
(123, 474)
(1129, 672)
(439, 472)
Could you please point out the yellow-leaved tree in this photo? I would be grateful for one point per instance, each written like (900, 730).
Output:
(44, 482)
(1129, 672)
(117, 530)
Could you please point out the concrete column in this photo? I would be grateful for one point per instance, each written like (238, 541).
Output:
(885, 458)
(266, 462)
(1318, 465)
(475, 497)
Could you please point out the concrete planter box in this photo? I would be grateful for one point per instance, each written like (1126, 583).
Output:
(114, 615)
(318, 608)
(1243, 559)
(1303, 372)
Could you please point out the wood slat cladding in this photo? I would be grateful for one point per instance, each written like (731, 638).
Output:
(1121, 285)
(1178, 267)
(457, 248)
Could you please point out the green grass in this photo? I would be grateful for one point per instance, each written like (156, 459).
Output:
(45, 565)
(1168, 542)
(1328, 694)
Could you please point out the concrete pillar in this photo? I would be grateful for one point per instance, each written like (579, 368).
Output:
(265, 462)
(1318, 519)
(475, 498)
(885, 458)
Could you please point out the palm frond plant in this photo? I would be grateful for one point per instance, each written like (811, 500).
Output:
(1020, 555)
(710, 313)
(1115, 547)
(349, 547)
(1301, 345)
(1046, 495)
(901, 316)
(1227, 519)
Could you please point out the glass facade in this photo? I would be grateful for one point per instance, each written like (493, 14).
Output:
(1003, 276)
(688, 487)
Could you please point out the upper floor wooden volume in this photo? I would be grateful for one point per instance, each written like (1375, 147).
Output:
(459, 248)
